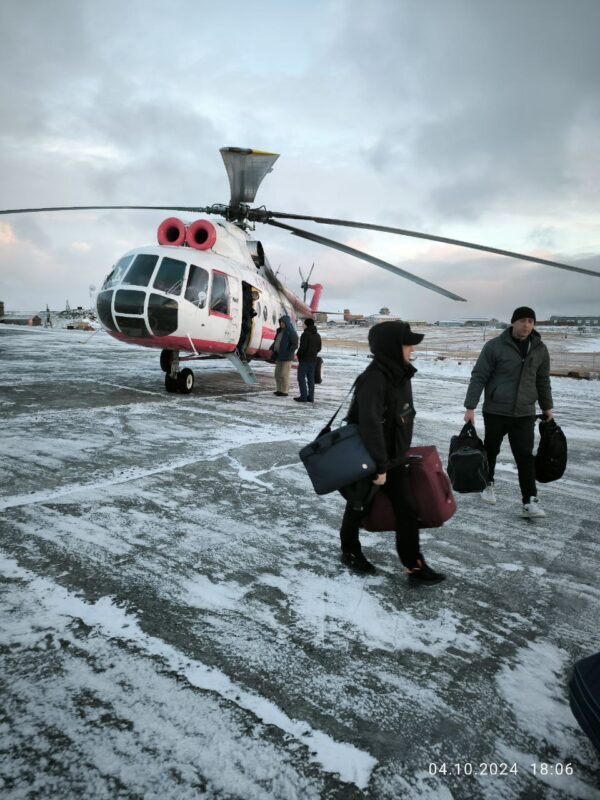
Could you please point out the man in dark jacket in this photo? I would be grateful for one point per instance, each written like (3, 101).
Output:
(383, 408)
(514, 371)
(284, 347)
(308, 352)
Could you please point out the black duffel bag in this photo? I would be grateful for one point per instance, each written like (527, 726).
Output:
(584, 696)
(319, 370)
(551, 456)
(467, 461)
(337, 457)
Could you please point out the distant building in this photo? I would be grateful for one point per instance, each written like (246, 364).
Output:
(353, 319)
(31, 321)
(374, 319)
(579, 319)
(473, 322)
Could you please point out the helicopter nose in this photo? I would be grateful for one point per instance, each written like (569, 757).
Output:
(128, 315)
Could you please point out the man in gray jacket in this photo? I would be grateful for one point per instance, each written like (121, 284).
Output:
(514, 371)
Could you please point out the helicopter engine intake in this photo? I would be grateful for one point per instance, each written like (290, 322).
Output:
(201, 235)
(171, 232)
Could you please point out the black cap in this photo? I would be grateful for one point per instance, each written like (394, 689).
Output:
(309, 321)
(387, 338)
(410, 337)
(523, 312)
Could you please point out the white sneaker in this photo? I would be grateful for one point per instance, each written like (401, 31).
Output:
(488, 495)
(533, 509)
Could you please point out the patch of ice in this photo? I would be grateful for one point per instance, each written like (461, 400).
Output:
(352, 765)
(534, 688)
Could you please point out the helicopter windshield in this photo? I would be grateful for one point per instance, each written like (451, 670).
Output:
(141, 270)
(169, 278)
(117, 272)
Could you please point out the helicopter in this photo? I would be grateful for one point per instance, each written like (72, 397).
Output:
(207, 289)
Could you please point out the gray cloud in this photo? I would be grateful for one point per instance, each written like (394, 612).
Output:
(474, 120)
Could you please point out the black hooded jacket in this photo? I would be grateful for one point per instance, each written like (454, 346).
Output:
(383, 404)
(310, 345)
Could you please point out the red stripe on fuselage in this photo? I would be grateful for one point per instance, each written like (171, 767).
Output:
(268, 333)
(176, 343)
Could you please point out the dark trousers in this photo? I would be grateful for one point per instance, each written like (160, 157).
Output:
(306, 379)
(520, 432)
(397, 489)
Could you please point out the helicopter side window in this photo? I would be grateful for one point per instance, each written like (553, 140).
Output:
(141, 270)
(257, 308)
(117, 272)
(274, 318)
(169, 278)
(197, 287)
(219, 295)
(265, 313)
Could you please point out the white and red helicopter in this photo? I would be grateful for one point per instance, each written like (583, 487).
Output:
(193, 292)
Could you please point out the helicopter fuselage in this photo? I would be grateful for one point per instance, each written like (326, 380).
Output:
(185, 299)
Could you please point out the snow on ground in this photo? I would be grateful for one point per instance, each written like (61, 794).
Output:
(176, 622)
(569, 347)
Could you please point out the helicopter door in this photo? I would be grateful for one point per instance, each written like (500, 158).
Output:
(250, 329)
(224, 309)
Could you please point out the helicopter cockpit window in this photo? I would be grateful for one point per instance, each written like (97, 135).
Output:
(219, 295)
(117, 272)
(141, 270)
(169, 278)
(197, 286)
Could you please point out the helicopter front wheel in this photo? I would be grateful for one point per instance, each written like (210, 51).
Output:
(166, 360)
(185, 381)
(171, 383)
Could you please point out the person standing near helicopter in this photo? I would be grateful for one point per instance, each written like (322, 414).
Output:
(308, 352)
(383, 409)
(283, 348)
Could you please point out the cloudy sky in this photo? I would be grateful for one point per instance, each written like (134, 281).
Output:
(473, 119)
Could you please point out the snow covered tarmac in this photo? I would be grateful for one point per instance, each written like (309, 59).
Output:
(176, 623)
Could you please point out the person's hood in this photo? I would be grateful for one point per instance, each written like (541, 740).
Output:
(312, 329)
(287, 322)
(386, 338)
(385, 341)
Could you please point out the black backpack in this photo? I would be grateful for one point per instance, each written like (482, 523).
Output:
(467, 461)
(551, 457)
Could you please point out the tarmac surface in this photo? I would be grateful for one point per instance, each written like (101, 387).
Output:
(176, 622)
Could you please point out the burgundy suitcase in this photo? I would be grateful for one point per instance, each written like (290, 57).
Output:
(431, 490)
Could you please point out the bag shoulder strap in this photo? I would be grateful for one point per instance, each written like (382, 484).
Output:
(330, 423)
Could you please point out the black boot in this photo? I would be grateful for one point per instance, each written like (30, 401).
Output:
(422, 573)
(358, 563)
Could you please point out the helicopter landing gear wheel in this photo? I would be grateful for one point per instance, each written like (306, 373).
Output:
(171, 383)
(185, 381)
(166, 360)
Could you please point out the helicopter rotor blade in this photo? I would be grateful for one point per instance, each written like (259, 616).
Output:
(365, 257)
(104, 208)
(445, 240)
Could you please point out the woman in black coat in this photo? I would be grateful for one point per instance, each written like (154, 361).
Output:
(383, 408)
